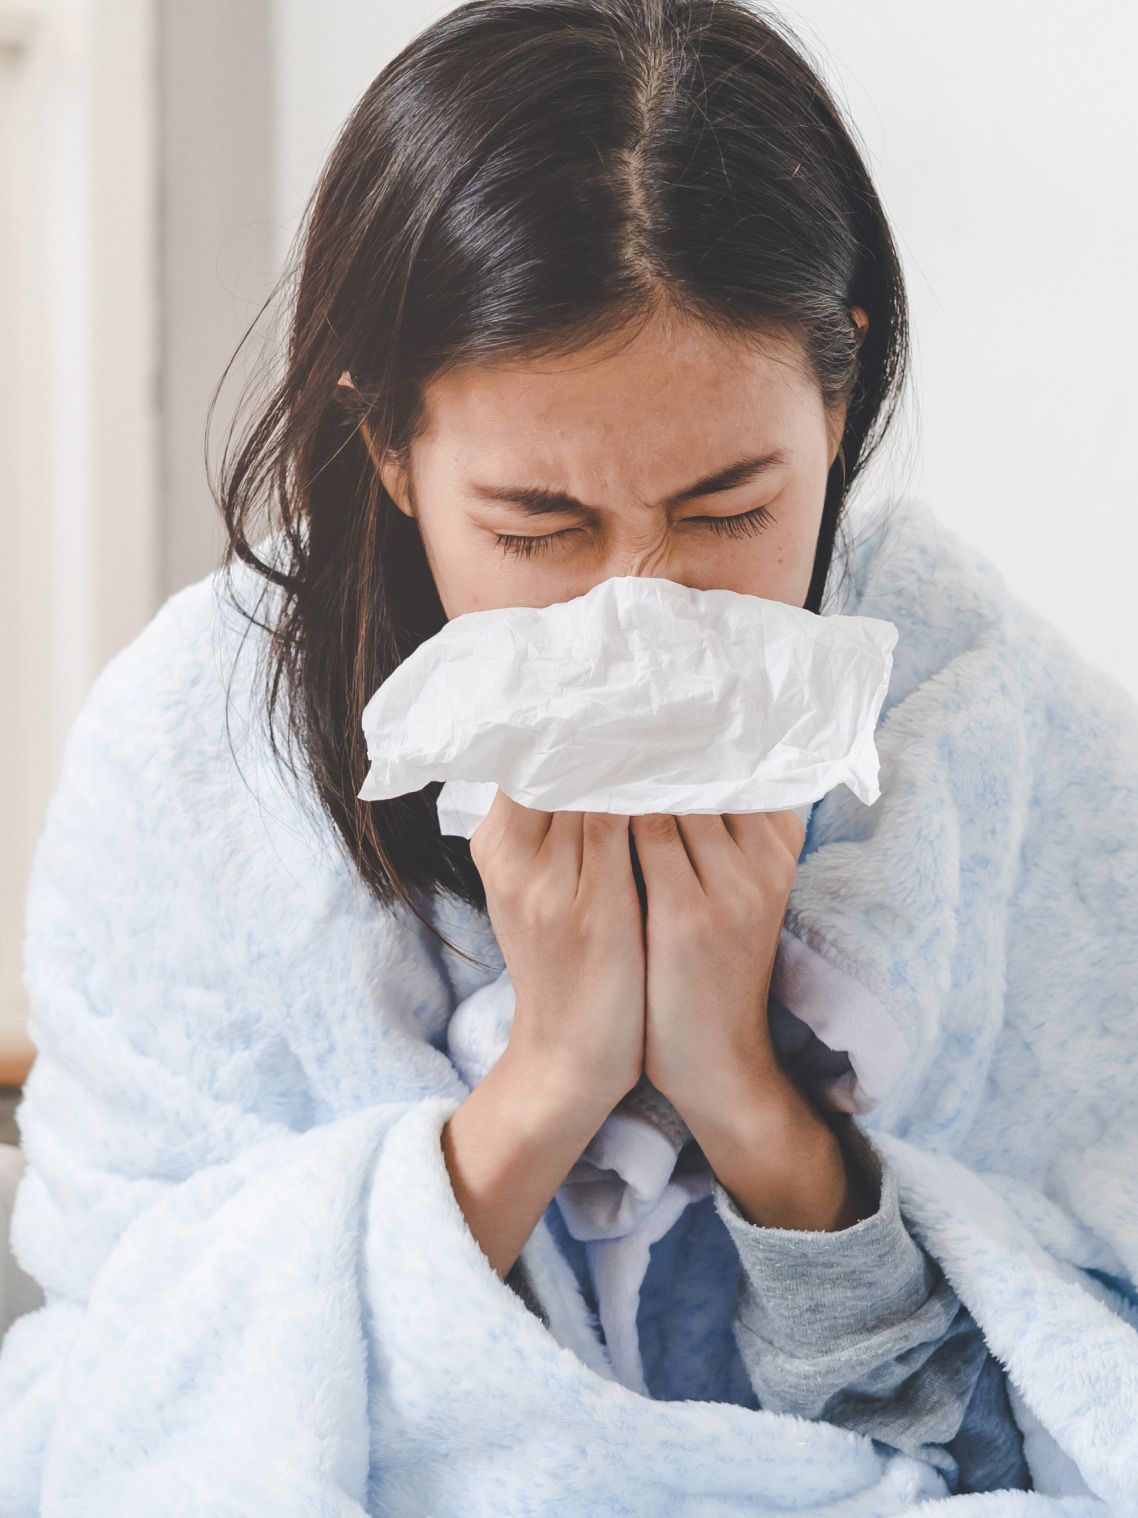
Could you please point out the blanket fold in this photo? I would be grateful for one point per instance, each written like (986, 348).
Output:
(261, 1294)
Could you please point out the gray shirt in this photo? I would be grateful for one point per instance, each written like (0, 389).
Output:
(861, 1328)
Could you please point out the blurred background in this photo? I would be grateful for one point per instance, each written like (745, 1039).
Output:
(155, 156)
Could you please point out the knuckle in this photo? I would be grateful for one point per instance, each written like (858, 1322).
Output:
(784, 869)
(539, 902)
(604, 823)
(690, 927)
(510, 886)
(485, 838)
(597, 923)
(740, 904)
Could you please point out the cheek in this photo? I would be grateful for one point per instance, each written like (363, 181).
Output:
(454, 565)
(791, 552)
(777, 565)
(471, 573)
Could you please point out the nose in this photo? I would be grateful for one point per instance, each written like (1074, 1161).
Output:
(644, 542)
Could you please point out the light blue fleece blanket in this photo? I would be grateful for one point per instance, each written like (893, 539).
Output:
(262, 1297)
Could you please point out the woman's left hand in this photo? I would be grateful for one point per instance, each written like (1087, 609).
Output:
(717, 889)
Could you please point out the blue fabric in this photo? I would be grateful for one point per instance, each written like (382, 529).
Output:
(686, 1339)
(690, 1350)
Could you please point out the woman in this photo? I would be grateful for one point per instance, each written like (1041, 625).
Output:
(589, 287)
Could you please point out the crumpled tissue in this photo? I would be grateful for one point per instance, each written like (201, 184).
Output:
(642, 695)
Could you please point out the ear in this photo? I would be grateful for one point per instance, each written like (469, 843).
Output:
(835, 431)
(393, 473)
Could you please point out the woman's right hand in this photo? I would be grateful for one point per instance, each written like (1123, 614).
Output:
(563, 903)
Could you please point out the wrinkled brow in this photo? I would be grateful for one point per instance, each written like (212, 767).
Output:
(535, 500)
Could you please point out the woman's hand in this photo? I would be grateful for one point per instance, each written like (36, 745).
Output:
(563, 903)
(717, 890)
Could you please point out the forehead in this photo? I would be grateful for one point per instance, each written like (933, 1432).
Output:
(665, 401)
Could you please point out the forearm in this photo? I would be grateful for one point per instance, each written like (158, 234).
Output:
(780, 1158)
(509, 1147)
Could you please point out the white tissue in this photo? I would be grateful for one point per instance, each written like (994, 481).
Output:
(643, 695)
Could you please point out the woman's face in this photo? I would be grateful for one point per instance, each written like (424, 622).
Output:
(607, 461)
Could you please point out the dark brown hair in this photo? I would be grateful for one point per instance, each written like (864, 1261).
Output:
(524, 177)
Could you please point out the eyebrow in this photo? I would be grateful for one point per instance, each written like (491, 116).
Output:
(535, 500)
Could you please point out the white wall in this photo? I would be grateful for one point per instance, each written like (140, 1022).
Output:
(324, 58)
(219, 248)
(1004, 141)
(137, 197)
(78, 399)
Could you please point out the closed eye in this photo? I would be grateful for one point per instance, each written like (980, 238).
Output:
(745, 523)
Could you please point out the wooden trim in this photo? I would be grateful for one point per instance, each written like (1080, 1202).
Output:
(16, 1057)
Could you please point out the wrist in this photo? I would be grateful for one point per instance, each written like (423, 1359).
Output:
(780, 1160)
(507, 1148)
(747, 1109)
(551, 1103)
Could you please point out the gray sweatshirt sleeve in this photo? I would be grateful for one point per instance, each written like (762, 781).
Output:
(861, 1328)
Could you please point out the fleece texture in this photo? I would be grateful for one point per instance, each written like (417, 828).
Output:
(261, 1296)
